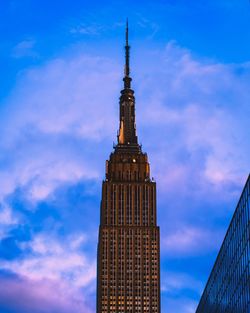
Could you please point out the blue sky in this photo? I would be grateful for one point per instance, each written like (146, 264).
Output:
(61, 73)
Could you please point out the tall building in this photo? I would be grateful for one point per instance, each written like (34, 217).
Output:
(228, 287)
(128, 265)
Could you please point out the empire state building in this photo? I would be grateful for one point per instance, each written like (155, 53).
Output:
(128, 265)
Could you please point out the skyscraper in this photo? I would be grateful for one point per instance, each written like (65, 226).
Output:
(128, 265)
(228, 287)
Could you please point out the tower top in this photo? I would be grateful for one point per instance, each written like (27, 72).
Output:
(127, 138)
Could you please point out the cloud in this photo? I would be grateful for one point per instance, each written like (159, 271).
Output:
(48, 258)
(61, 98)
(8, 220)
(83, 29)
(25, 48)
(173, 283)
(147, 24)
(56, 117)
(6, 216)
(197, 111)
(40, 172)
(188, 241)
(181, 305)
(174, 288)
(28, 296)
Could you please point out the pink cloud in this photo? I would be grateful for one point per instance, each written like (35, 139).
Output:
(51, 259)
(187, 240)
(173, 282)
(197, 111)
(28, 296)
(53, 111)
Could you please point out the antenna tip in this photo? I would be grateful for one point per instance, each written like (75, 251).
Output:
(127, 32)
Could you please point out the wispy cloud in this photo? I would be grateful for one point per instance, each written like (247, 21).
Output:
(199, 122)
(188, 241)
(174, 286)
(174, 283)
(148, 24)
(86, 29)
(45, 296)
(8, 220)
(50, 259)
(6, 216)
(57, 119)
(181, 305)
(25, 48)
(58, 99)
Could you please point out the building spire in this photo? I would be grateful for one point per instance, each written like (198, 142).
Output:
(127, 137)
(127, 79)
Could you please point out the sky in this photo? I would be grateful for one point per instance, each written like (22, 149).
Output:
(61, 75)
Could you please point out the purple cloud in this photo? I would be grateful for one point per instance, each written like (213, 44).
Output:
(28, 296)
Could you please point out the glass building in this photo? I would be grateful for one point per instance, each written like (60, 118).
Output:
(228, 287)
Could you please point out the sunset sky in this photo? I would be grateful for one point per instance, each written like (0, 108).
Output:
(61, 74)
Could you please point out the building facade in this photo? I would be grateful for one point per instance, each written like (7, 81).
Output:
(128, 261)
(228, 287)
